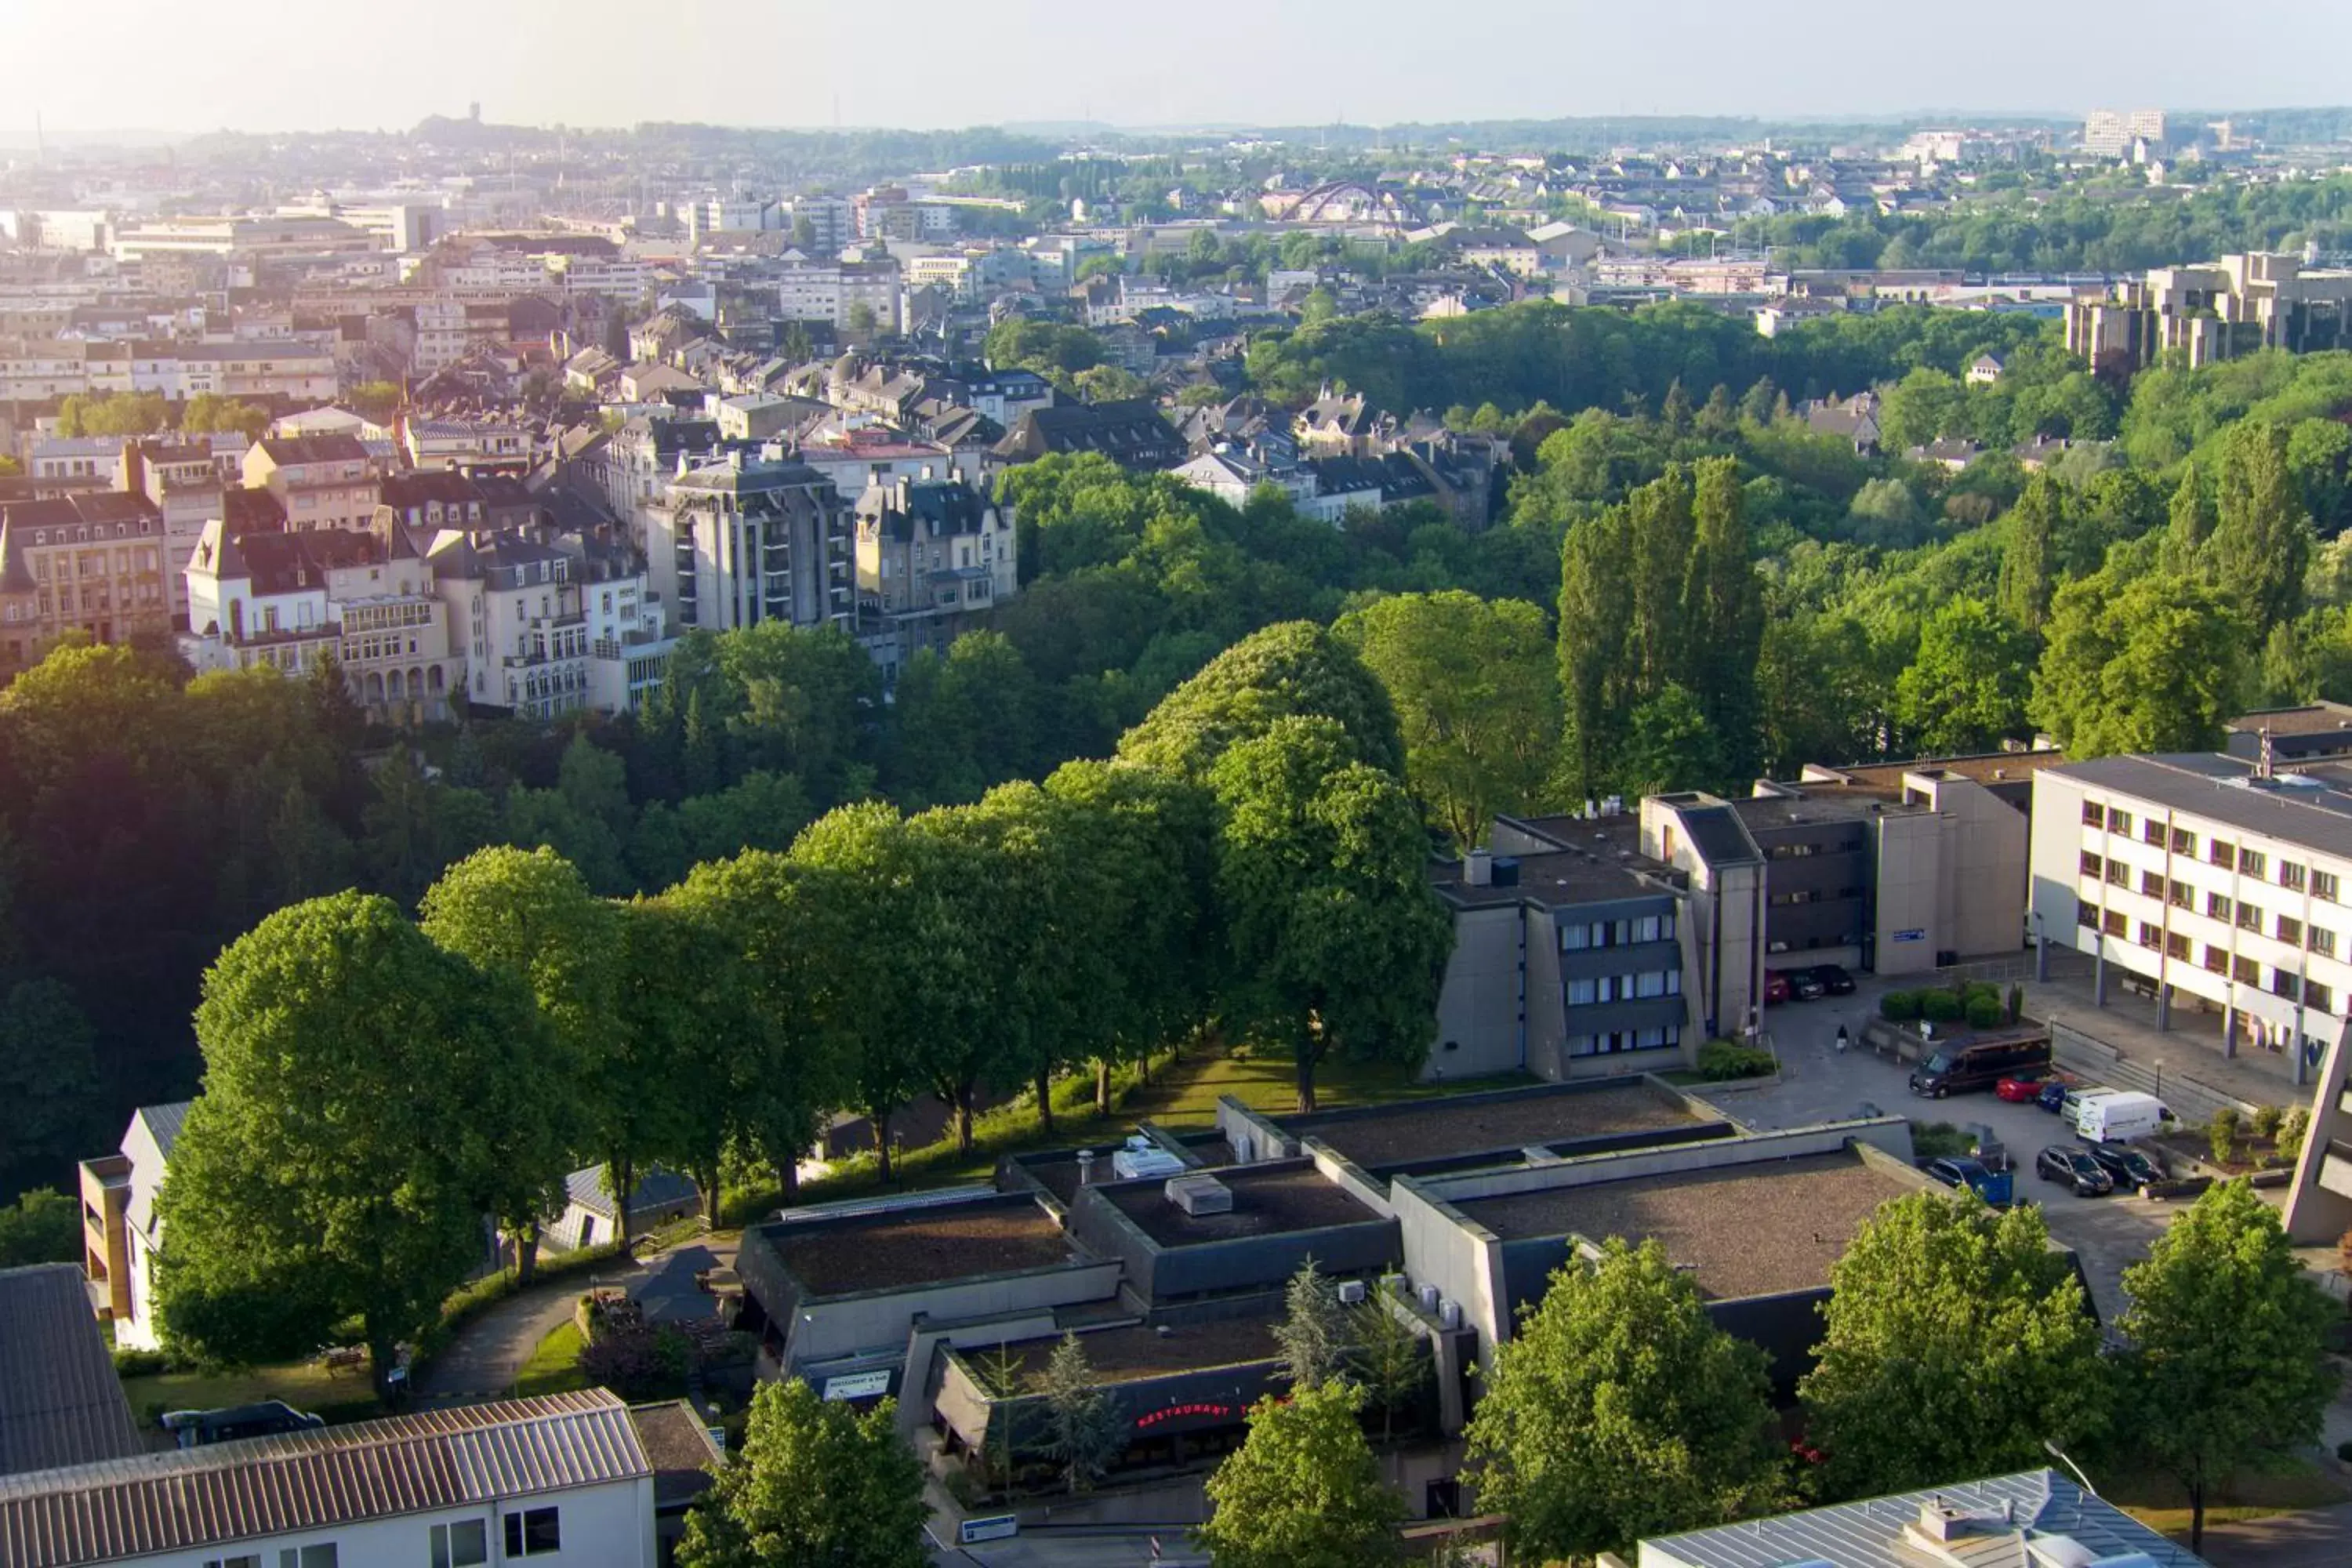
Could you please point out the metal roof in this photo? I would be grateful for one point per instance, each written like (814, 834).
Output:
(2309, 805)
(60, 1403)
(186, 1499)
(2012, 1521)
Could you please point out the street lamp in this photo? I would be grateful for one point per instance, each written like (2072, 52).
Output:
(2059, 1454)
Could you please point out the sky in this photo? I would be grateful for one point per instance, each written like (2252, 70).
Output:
(247, 65)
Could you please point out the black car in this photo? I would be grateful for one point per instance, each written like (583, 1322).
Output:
(1806, 987)
(1835, 981)
(2127, 1166)
(2075, 1168)
(1958, 1171)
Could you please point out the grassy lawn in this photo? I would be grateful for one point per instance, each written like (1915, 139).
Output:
(305, 1385)
(2156, 1501)
(554, 1366)
(1185, 1095)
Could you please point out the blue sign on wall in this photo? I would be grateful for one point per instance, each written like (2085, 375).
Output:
(1910, 936)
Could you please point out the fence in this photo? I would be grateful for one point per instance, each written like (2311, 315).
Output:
(2192, 1100)
(2065, 964)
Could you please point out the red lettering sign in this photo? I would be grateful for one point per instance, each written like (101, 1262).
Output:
(1178, 1412)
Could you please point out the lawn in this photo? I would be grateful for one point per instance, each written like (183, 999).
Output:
(554, 1366)
(305, 1385)
(2156, 1501)
(1185, 1095)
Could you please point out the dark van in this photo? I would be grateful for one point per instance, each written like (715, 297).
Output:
(1956, 1068)
(199, 1428)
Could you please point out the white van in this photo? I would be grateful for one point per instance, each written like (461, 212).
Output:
(2121, 1117)
(2069, 1110)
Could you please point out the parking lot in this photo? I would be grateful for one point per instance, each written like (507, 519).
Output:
(1817, 1084)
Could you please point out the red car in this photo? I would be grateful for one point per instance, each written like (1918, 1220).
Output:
(2020, 1089)
(1776, 988)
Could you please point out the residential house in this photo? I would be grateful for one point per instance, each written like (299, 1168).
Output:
(472, 443)
(121, 1232)
(321, 482)
(1128, 431)
(184, 482)
(934, 556)
(1856, 420)
(92, 562)
(591, 1216)
(517, 618)
(1984, 370)
(1343, 425)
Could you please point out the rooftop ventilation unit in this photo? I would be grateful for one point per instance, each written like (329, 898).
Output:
(1351, 1293)
(1200, 1194)
(1131, 1163)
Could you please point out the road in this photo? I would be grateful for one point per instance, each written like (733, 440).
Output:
(2315, 1538)
(1817, 1084)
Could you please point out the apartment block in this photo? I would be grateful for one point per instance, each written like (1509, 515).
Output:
(321, 482)
(92, 562)
(120, 1233)
(934, 556)
(736, 542)
(2263, 299)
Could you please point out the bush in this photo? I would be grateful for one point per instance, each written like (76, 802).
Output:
(2293, 1129)
(638, 1362)
(1936, 1139)
(1939, 1006)
(1985, 1013)
(2265, 1123)
(2222, 1134)
(1899, 1007)
(1720, 1061)
(1978, 991)
(140, 1363)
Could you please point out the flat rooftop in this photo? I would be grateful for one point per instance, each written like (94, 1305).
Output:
(1265, 1202)
(1440, 1127)
(920, 1247)
(1139, 1351)
(1883, 781)
(1741, 1230)
(2310, 718)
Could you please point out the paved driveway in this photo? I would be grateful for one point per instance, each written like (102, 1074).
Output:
(1820, 1085)
(2315, 1538)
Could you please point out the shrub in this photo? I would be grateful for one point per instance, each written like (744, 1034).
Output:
(2293, 1129)
(1720, 1061)
(2265, 1122)
(140, 1363)
(1899, 1007)
(1935, 1139)
(1938, 1006)
(2016, 1002)
(1984, 1013)
(2222, 1134)
(1978, 991)
(638, 1362)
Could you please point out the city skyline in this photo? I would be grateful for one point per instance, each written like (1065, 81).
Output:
(597, 63)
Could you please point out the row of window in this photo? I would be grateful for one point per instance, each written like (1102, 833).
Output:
(1800, 851)
(2221, 852)
(463, 1543)
(2245, 971)
(1811, 895)
(1622, 987)
(1612, 1041)
(2242, 913)
(82, 535)
(1582, 935)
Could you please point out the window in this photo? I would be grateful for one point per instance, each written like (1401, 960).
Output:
(529, 1533)
(2321, 940)
(2316, 995)
(2092, 865)
(2183, 841)
(2114, 924)
(2286, 984)
(2222, 854)
(2150, 934)
(2252, 863)
(2323, 885)
(461, 1545)
(2152, 832)
(2248, 918)
(2246, 972)
(320, 1555)
(1575, 938)
(1580, 992)
(2290, 875)
(2290, 930)
(2217, 906)
(243, 1560)
(2152, 884)
(2118, 873)
(2087, 915)
(2176, 946)
(2094, 815)
(2217, 959)
(2119, 821)
(2184, 897)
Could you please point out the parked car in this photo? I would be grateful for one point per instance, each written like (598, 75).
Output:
(1776, 987)
(1958, 1172)
(1806, 986)
(196, 1429)
(2022, 1087)
(2076, 1169)
(1835, 979)
(2055, 1090)
(2128, 1167)
(1954, 1068)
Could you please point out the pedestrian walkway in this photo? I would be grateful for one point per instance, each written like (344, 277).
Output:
(2191, 1048)
(2311, 1538)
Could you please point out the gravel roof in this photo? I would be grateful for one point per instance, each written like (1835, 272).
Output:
(920, 1247)
(1442, 1127)
(1264, 1203)
(1139, 1351)
(1743, 1230)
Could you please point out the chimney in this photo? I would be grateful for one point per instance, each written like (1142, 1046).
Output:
(1478, 868)
(1086, 1167)
(2264, 758)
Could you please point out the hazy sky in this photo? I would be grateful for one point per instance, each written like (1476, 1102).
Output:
(261, 67)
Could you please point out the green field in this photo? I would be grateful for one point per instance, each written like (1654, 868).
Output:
(306, 1385)
(554, 1366)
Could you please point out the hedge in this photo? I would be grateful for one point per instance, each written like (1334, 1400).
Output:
(1939, 1006)
(1899, 1007)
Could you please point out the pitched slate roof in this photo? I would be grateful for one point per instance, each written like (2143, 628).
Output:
(183, 1499)
(60, 1403)
(656, 1189)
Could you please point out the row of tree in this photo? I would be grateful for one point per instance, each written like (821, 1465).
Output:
(375, 1087)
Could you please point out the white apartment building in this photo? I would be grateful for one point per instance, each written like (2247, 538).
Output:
(120, 1233)
(516, 615)
(442, 334)
(560, 1480)
(831, 290)
(2208, 882)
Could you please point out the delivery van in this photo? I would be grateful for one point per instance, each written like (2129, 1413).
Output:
(2119, 1118)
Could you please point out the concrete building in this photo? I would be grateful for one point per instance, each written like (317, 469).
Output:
(2111, 133)
(120, 1233)
(185, 482)
(560, 1476)
(735, 543)
(515, 611)
(2262, 299)
(934, 557)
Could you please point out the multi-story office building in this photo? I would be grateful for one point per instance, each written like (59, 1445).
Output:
(2110, 134)
(735, 543)
(92, 562)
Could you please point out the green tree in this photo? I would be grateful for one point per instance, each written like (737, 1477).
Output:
(2157, 666)
(1476, 694)
(375, 400)
(49, 1101)
(2261, 536)
(2191, 525)
(1083, 1428)
(817, 1484)
(1958, 1342)
(1723, 614)
(1619, 1410)
(1669, 745)
(680, 1080)
(1336, 941)
(528, 915)
(1386, 1358)
(348, 1138)
(43, 1226)
(1312, 1336)
(1294, 669)
(1967, 688)
(2026, 565)
(1595, 608)
(1303, 1490)
(2227, 1367)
